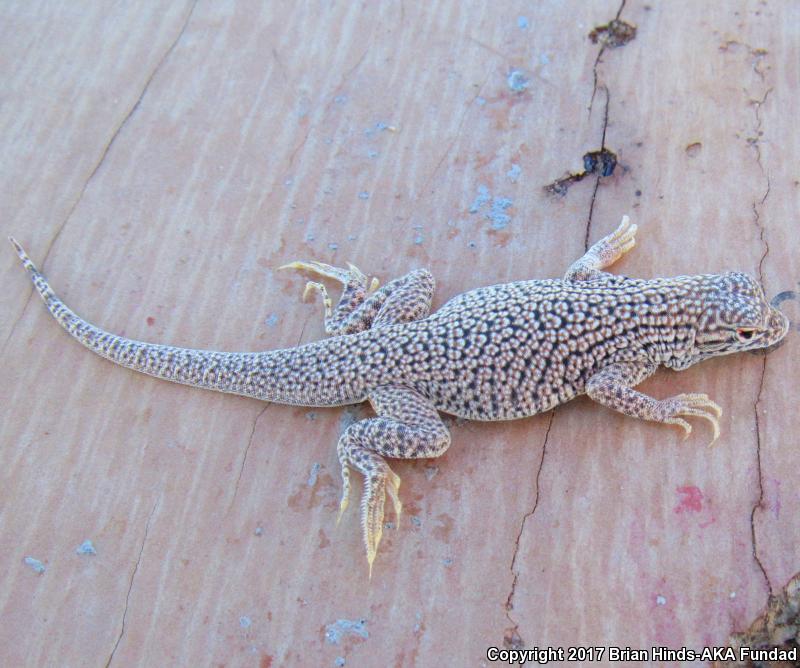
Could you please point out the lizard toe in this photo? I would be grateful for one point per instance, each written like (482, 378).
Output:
(352, 275)
(692, 405)
(345, 500)
(372, 508)
(683, 424)
(313, 286)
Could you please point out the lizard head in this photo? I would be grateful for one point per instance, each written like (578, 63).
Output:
(735, 317)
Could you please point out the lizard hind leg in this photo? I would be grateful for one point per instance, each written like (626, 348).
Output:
(363, 306)
(407, 427)
(355, 291)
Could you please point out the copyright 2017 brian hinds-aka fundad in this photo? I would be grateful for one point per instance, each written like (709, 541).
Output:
(544, 655)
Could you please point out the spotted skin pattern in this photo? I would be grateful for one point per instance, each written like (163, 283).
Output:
(496, 353)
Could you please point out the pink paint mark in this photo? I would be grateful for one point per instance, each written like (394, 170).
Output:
(775, 498)
(692, 500)
(151, 320)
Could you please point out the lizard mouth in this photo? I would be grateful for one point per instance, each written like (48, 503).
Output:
(775, 335)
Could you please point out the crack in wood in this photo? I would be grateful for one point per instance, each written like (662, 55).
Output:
(512, 639)
(606, 44)
(760, 499)
(130, 584)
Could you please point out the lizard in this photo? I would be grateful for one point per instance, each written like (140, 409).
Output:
(494, 353)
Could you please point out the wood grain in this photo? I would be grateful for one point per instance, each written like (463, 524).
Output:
(160, 162)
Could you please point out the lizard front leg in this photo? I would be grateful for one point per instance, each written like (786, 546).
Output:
(407, 427)
(604, 253)
(612, 387)
(402, 300)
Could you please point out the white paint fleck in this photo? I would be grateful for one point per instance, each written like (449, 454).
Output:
(500, 219)
(481, 198)
(517, 81)
(312, 478)
(335, 631)
(35, 564)
(86, 547)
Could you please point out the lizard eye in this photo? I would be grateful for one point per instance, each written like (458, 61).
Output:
(745, 334)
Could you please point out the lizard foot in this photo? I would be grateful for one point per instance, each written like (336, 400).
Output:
(376, 485)
(612, 247)
(690, 405)
(343, 319)
(379, 480)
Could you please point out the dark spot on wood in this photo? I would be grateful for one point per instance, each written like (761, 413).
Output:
(613, 34)
(602, 161)
(693, 149)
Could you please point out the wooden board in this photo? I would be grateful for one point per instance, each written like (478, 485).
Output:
(161, 162)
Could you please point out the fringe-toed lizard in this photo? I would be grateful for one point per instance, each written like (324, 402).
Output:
(496, 353)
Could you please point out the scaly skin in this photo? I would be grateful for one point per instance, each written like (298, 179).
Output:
(496, 353)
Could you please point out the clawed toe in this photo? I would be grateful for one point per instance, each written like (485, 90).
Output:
(694, 405)
(372, 505)
(351, 275)
(698, 400)
(318, 268)
(376, 485)
(393, 488)
(623, 239)
(313, 286)
(683, 424)
(345, 500)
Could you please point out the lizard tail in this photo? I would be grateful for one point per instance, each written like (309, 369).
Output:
(309, 375)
